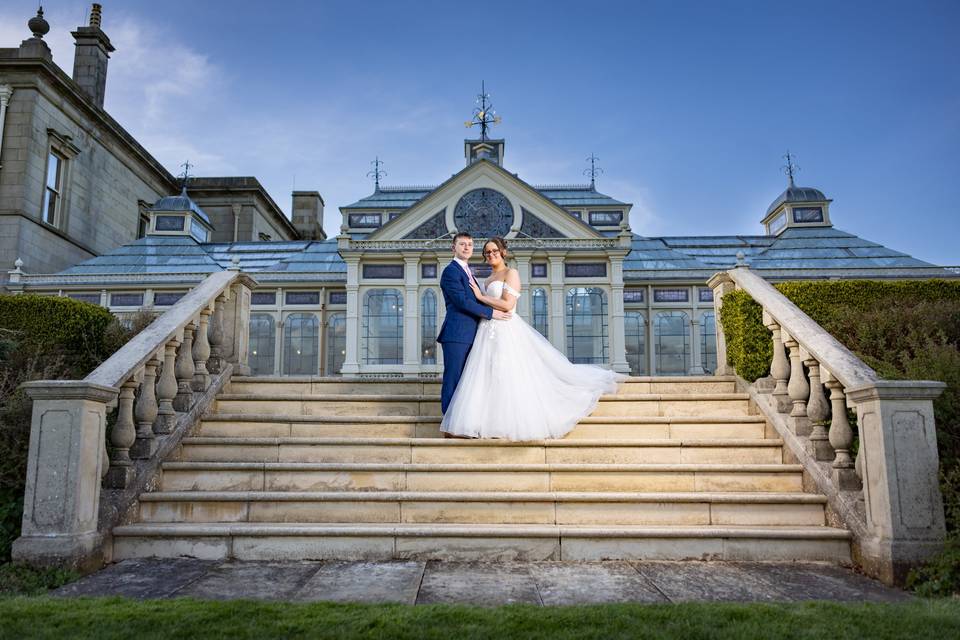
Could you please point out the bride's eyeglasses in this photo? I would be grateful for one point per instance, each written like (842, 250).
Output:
(491, 252)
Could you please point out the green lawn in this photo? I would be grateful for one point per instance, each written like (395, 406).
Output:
(44, 617)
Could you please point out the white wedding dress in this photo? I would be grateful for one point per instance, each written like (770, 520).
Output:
(517, 386)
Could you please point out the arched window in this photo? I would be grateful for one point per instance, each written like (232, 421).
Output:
(301, 343)
(540, 320)
(428, 327)
(336, 342)
(587, 325)
(671, 338)
(263, 338)
(708, 342)
(382, 333)
(635, 333)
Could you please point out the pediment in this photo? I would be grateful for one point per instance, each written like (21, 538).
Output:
(531, 213)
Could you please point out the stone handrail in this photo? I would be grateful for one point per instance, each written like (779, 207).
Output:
(885, 491)
(159, 382)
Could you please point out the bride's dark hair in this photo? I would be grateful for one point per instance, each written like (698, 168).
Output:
(501, 245)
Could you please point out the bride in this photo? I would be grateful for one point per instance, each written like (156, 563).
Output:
(515, 384)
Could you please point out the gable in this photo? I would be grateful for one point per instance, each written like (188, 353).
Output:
(524, 210)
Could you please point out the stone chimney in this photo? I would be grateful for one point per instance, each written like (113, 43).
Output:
(90, 60)
(308, 215)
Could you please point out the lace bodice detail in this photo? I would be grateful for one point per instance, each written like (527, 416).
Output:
(497, 287)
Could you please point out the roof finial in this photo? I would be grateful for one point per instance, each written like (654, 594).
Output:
(791, 167)
(483, 114)
(186, 174)
(376, 173)
(37, 25)
(593, 171)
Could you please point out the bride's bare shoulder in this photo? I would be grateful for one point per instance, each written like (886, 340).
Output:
(513, 278)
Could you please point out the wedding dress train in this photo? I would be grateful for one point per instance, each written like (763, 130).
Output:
(517, 386)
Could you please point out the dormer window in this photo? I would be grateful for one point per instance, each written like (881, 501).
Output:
(606, 218)
(169, 223)
(807, 214)
(364, 220)
(197, 230)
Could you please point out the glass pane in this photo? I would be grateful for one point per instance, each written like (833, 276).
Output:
(53, 172)
(587, 325)
(49, 206)
(635, 331)
(540, 319)
(382, 333)
(262, 341)
(300, 344)
(708, 342)
(428, 328)
(336, 343)
(672, 343)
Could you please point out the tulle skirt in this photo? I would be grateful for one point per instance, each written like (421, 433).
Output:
(517, 386)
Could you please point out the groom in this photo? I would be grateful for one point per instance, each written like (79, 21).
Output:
(463, 316)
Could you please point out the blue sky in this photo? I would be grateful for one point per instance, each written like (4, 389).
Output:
(689, 105)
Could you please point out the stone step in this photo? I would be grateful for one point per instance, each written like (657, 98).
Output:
(617, 427)
(344, 541)
(459, 451)
(291, 476)
(636, 404)
(487, 508)
(326, 385)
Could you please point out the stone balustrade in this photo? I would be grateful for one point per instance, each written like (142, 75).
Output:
(886, 490)
(156, 382)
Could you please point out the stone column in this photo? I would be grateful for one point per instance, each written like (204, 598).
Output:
(215, 336)
(721, 285)
(523, 304)
(123, 435)
(184, 370)
(558, 330)
(351, 362)
(146, 412)
(239, 336)
(201, 353)
(898, 444)
(167, 390)
(618, 340)
(818, 411)
(64, 465)
(779, 368)
(696, 364)
(411, 316)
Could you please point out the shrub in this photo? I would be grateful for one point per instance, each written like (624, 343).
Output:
(41, 338)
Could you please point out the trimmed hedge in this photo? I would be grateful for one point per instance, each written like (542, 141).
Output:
(749, 346)
(83, 333)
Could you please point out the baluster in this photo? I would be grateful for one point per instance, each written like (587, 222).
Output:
(215, 336)
(799, 391)
(146, 411)
(184, 371)
(167, 390)
(818, 411)
(201, 354)
(122, 437)
(780, 370)
(841, 439)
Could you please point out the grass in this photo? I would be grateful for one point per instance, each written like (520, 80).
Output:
(108, 618)
(18, 579)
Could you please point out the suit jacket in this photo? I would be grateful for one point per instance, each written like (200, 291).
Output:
(463, 311)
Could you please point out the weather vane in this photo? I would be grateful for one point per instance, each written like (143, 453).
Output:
(791, 167)
(186, 172)
(376, 173)
(593, 171)
(483, 114)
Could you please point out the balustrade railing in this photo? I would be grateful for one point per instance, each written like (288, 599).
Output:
(156, 381)
(885, 490)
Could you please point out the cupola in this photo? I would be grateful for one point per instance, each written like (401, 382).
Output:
(179, 216)
(796, 206)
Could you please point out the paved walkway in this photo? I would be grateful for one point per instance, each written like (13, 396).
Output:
(488, 584)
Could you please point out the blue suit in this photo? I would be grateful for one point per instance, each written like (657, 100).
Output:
(459, 327)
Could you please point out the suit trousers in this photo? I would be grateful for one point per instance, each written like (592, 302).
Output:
(454, 359)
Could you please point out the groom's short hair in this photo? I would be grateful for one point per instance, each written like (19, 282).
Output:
(462, 234)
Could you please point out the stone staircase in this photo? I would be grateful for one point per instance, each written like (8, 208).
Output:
(311, 468)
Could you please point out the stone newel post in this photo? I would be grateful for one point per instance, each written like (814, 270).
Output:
(61, 502)
(898, 445)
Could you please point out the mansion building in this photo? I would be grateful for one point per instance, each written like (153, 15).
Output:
(86, 212)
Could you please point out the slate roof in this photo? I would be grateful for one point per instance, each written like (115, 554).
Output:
(797, 194)
(564, 196)
(182, 202)
(153, 254)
